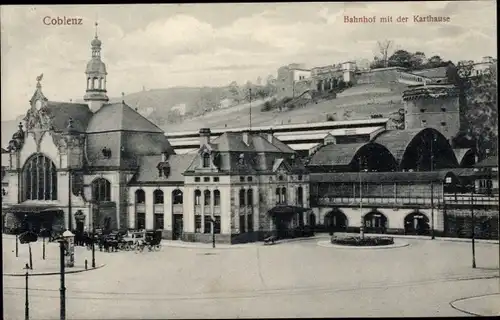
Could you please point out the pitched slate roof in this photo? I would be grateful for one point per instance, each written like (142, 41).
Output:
(148, 172)
(230, 142)
(119, 116)
(60, 113)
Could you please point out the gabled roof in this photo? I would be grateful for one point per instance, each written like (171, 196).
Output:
(60, 113)
(148, 171)
(230, 142)
(120, 117)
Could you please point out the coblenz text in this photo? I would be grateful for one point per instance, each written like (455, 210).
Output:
(62, 21)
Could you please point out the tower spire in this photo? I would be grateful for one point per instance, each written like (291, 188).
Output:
(96, 25)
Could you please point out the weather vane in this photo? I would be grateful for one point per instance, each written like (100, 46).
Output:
(38, 79)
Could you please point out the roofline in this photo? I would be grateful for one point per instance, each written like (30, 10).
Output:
(108, 131)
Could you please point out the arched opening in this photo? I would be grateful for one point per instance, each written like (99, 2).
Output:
(95, 83)
(206, 196)
(242, 197)
(335, 221)
(373, 157)
(177, 214)
(197, 197)
(177, 197)
(40, 178)
(283, 195)
(140, 209)
(158, 197)
(101, 83)
(250, 212)
(216, 198)
(300, 196)
(101, 190)
(250, 197)
(311, 220)
(416, 223)
(278, 195)
(89, 83)
(375, 222)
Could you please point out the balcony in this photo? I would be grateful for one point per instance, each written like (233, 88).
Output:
(177, 208)
(159, 208)
(140, 207)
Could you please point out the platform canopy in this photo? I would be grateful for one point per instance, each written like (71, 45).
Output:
(31, 208)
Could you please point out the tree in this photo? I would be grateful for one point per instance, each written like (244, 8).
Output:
(377, 63)
(434, 62)
(400, 58)
(383, 49)
(478, 107)
(234, 91)
(417, 60)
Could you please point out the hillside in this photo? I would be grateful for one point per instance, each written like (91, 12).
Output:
(359, 102)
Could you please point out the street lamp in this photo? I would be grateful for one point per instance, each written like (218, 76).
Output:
(62, 290)
(473, 222)
(26, 305)
(362, 166)
(212, 220)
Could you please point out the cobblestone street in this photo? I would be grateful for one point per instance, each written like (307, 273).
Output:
(296, 279)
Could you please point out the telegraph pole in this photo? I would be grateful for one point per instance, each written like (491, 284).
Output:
(26, 305)
(250, 98)
(432, 188)
(473, 228)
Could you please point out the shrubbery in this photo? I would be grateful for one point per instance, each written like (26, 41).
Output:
(366, 241)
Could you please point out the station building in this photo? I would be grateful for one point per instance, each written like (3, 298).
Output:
(81, 166)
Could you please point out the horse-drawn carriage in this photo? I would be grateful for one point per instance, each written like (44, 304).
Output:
(129, 240)
(151, 240)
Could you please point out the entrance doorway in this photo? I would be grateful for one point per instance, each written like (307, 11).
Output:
(177, 227)
(417, 223)
(335, 221)
(375, 222)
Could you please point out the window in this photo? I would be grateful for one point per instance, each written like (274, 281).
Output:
(242, 223)
(443, 123)
(249, 179)
(250, 222)
(140, 196)
(422, 110)
(197, 197)
(177, 196)
(280, 178)
(206, 160)
(158, 222)
(216, 179)
(278, 195)
(250, 197)
(242, 197)
(208, 224)
(206, 179)
(424, 123)
(217, 225)
(158, 196)
(40, 179)
(101, 190)
(443, 109)
(242, 179)
(283, 195)
(196, 179)
(206, 195)
(216, 198)
(197, 223)
(300, 196)
(140, 220)
(299, 177)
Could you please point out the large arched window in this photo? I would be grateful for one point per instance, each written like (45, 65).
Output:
(101, 190)
(177, 196)
(206, 195)
(40, 178)
(140, 196)
(283, 195)
(158, 196)
(300, 196)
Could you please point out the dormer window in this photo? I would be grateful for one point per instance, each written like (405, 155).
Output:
(280, 178)
(106, 152)
(206, 160)
(163, 169)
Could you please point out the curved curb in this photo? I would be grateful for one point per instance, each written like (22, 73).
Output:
(52, 273)
(472, 313)
(328, 244)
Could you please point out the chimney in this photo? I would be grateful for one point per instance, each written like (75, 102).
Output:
(270, 135)
(204, 136)
(246, 137)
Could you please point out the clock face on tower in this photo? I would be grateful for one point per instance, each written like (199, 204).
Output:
(38, 105)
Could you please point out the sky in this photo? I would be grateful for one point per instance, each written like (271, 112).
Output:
(169, 45)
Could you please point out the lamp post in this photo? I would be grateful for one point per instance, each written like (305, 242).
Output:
(26, 304)
(17, 243)
(62, 289)
(362, 165)
(432, 189)
(212, 220)
(473, 222)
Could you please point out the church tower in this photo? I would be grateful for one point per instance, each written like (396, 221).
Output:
(96, 73)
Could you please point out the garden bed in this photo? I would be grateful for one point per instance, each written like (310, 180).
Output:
(365, 242)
